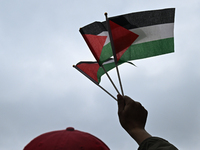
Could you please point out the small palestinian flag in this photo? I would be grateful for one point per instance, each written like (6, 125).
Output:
(93, 71)
(135, 35)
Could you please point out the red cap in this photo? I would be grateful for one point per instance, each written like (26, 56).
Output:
(68, 139)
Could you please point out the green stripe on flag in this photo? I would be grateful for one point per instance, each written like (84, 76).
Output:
(142, 50)
(108, 66)
(149, 49)
(106, 52)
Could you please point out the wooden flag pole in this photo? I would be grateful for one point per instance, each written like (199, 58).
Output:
(94, 82)
(114, 53)
(110, 79)
(106, 92)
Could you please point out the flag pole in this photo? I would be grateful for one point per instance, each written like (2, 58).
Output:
(113, 50)
(110, 79)
(94, 82)
(106, 91)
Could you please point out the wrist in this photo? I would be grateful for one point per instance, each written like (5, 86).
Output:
(139, 135)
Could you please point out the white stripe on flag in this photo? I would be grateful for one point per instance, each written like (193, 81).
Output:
(149, 33)
(109, 61)
(155, 32)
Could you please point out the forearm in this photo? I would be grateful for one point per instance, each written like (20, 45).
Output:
(156, 143)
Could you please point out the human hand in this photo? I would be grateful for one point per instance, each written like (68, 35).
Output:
(132, 116)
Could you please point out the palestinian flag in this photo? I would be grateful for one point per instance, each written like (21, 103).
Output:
(93, 71)
(135, 35)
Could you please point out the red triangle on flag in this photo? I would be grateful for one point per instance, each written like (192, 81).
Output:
(122, 38)
(95, 44)
(90, 70)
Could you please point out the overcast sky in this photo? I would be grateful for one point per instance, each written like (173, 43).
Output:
(40, 91)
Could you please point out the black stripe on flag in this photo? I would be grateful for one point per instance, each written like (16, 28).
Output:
(94, 28)
(133, 20)
(145, 18)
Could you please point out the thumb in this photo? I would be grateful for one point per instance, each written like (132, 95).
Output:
(121, 103)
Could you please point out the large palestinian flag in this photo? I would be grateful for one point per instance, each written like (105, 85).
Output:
(135, 35)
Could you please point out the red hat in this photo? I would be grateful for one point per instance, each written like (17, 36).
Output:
(68, 139)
